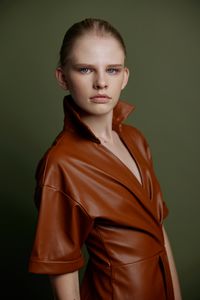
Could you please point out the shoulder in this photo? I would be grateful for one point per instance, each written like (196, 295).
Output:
(51, 165)
(137, 137)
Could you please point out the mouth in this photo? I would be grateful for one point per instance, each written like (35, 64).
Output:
(100, 98)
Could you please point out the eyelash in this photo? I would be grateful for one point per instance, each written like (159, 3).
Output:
(116, 70)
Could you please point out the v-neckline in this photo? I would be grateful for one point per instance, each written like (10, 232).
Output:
(141, 184)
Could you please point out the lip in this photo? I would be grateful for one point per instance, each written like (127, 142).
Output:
(100, 96)
(100, 100)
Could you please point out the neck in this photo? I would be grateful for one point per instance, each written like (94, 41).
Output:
(101, 125)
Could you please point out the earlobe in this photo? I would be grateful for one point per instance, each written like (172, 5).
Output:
(126, 77)
(61, 78)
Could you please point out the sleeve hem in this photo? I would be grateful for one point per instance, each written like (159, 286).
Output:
(55, 267)
(165, 211)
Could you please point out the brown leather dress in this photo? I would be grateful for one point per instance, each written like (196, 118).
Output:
(85, 194)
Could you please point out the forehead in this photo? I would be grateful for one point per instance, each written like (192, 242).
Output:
(93, 49)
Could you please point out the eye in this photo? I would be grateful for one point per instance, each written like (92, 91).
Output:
(113, 70)
(84, 70)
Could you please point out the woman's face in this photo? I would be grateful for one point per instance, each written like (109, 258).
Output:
(96, 66)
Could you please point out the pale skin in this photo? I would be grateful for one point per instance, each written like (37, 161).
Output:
(97, 66)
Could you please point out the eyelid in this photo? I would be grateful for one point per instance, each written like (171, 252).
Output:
(116, 69)
(81, 68)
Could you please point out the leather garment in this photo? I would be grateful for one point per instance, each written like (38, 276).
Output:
(85, 194)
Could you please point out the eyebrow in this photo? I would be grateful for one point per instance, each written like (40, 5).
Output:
(89, 65)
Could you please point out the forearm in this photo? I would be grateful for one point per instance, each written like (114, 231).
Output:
(65, 286)
(175, 281)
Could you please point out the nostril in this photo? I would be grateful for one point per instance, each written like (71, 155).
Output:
(100, 85)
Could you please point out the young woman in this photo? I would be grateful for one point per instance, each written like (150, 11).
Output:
(96, 184)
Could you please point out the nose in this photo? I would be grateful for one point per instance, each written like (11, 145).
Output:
(100, 81)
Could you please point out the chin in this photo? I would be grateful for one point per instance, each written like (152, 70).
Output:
(98, 109)
(101, 111)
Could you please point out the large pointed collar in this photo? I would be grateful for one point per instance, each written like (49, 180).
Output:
(73, 120)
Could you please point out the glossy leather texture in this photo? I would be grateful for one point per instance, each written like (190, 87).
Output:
(85, 194)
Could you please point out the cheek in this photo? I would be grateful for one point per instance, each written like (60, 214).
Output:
(118, 83)
(80, 82)
(79, 88)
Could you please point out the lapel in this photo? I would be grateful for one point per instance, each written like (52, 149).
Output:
(140, 191)
(113, 166)
(121, 173)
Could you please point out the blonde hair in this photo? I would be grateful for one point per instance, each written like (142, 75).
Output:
(98, 26)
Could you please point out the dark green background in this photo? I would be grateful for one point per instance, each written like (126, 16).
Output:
(163, 42)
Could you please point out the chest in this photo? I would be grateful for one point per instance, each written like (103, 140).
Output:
(110, 180)
(119, 149)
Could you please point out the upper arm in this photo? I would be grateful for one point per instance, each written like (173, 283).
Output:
(62, 228)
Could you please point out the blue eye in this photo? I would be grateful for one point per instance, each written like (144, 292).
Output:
(113, 70)
(84, 70)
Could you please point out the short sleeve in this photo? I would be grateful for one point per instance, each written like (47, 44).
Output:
(61, 230)
(163, 209)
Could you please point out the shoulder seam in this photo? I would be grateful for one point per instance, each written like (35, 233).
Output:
(68, 196)
(57, 140)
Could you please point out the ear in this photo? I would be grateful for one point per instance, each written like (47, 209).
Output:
(60, 76)
(126, 77)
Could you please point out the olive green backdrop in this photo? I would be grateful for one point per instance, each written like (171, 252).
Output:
(163, 42)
